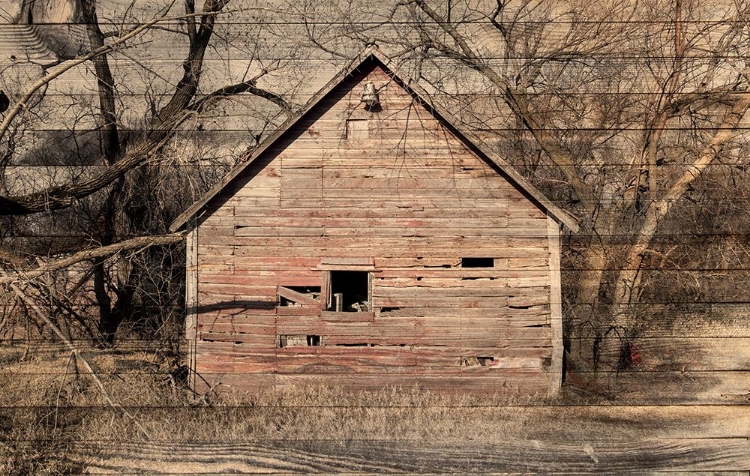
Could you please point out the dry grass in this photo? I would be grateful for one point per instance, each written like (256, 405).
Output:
(54, 422)
(326, 413)
(50, 413)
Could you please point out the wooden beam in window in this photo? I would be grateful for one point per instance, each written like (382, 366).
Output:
(297, 297)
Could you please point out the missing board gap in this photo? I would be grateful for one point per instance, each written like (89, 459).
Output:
(299, 340)
(478, 262)
(478, 361)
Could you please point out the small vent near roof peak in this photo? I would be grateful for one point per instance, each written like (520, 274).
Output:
(370, 96)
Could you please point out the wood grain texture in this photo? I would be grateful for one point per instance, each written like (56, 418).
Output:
(320, 202)
(378, 457)
(415, 211)
(568, 439)
(191, 297)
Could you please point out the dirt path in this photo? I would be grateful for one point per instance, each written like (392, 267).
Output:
(567, 439)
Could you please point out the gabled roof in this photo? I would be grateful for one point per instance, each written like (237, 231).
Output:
(373, 55)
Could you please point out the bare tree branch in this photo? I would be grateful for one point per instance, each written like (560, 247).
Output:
(659, 208)
(63, 196)
(163, 125)
(249, 86)
(518, 104)
(67, 66)
(90, 254)
(79, 355)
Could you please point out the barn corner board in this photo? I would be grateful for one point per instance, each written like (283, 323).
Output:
(371, 242)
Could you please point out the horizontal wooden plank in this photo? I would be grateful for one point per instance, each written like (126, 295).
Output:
(417, 331)
(439, 283)
(526, 382)
(400, 184)
(393, 364)
(461, 245)
(334, 316)
(409, 210)
(499, 220)
(534, 315)
(481, 170)
(255, 325)
(260, 203)
(579, 455)
(309, 311)
(260, 278)
(246, 339)
(260, 256)
(339, 196)
(211, 303)
(208, 287)
(281, 263)
(425, 293)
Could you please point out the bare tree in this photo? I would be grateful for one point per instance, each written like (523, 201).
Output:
(131, 181)
(617, 108)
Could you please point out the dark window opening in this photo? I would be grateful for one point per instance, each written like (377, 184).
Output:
(313, 341)
(350, 291)
(485, 361)
(477, 262)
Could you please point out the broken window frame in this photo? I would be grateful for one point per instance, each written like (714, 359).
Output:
(361, 264)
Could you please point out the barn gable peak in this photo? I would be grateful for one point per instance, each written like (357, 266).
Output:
(369, 59)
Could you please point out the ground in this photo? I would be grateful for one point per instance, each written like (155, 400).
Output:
(52, 422)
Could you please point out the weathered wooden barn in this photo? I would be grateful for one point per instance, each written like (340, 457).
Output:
(371, 242)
